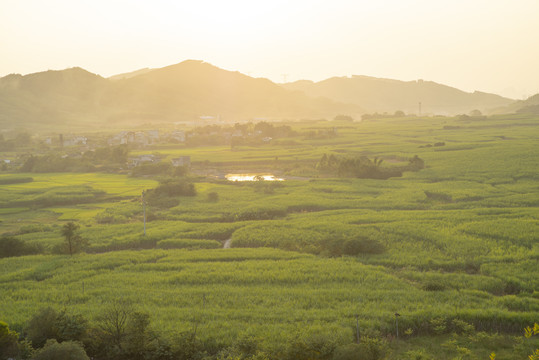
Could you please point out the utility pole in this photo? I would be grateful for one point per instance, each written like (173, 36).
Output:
(357, 322)
(357, 327)
(285, 76)
(144, 210)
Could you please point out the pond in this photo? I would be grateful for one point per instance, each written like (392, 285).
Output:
(252, 177)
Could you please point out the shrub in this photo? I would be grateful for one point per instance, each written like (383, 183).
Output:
(49, 324)
(213, 197)
(188, 244)
(8, 342)
(67, 350)
(10, 246)
(152, 169)
(437, 196)
(15, 180)
(368, 349)
(41, 327)
(434, 286)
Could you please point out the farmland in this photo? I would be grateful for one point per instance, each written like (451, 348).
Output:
(453, 243)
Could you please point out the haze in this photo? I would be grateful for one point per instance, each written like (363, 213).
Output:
(472, 45)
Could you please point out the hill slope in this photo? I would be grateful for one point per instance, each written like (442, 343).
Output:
(385, 95)
(193, 88)
(51, 97)
(179, 92)
(528, 106)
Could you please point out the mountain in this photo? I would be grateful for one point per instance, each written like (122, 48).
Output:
(130, 74)
(386, 95)
(184, 91)
(528, 106)
(193, 88)
(51, 97)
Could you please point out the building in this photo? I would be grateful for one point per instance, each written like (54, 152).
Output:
(178, 136)
(182, 161)
(143, 159)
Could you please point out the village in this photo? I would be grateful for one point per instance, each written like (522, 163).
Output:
(90, 147)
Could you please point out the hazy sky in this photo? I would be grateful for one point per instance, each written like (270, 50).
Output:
(486, 45)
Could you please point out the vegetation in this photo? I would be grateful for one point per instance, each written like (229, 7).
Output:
(451, 245)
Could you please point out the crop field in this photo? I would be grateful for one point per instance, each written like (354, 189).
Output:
(455, 241)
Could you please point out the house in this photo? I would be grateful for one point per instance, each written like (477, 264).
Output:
(143, 159)
(182, 161)
(141, 138)
(153, 135)
(76, 140)
(178, 136)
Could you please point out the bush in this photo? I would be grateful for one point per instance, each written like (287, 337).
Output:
(174, 188)
(41, 327)
(15, 180)
(10, 246)
(188, 244)
(68, 350)
(49, 324)
(438, 196)
(433, 286)
(367, 349)
(8, 342)
(213, 197)
(152, 169)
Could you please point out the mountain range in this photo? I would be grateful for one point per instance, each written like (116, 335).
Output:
(192, 88)
(386, 95)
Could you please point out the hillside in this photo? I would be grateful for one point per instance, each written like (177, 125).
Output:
(528, 106)
(130, 74)
(193, 88)
(183, 91)
(386, 95)
(51, 97)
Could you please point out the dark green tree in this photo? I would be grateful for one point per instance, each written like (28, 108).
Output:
(73, 241)
(8, 342)
(41, 327)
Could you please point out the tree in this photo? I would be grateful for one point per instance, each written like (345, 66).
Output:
(341, 117)
(41, 327)
(114, 321)
(476, 113)
(8, 342)
(138, 338)
(73, 241)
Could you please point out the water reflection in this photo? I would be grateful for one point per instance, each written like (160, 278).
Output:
(252, 177)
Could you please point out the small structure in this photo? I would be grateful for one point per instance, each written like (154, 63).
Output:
(143, 159)
(153, 136)
(178, 136)
(76, 140)
(182, 161)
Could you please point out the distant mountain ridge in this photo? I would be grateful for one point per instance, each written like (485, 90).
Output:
(528, 106)
(178, 92)
(193, 88)
(387, 95)
(130, 74)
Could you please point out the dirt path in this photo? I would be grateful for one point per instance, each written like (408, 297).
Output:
(227, 243)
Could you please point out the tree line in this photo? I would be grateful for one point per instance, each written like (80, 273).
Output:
(364, 168)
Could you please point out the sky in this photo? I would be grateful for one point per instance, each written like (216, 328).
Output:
(484, 45)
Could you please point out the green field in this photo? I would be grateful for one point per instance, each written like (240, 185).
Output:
(455, 241)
